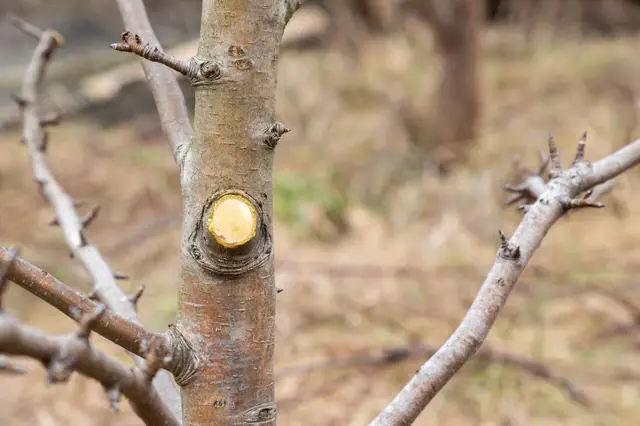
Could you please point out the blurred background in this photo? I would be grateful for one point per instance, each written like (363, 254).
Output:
(407, 118)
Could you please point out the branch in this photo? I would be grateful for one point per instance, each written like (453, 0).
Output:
(559, 196)
(486, 355)
(129, 335)
(166, 92)
(62, 355)
(67, 218)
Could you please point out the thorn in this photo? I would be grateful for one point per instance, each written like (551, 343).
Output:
(51, 120)
(556, 167)
(515, 189)
(525, 208)
(44, 142)
(87, 321)
(41, 188)
(86, 221)
(503, 239)
(136, 296)
(544, 163)
(95, 296)
(59, 370)
(153, 361)
(19, 100)
(119, 276)
(587, 194)
(83, 239)
(580, 150)
(507, 250)
(54, 222)
(4, 271)
(568, 204)
(273, 133)
(514, 199)
(114, 395)
(279, 290)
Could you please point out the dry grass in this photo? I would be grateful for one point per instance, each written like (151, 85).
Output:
(345, 295)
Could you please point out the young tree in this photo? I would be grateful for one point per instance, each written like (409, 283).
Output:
(220, 350)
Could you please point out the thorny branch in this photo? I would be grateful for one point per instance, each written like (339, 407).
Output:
(66, 217)
(167, 94)
(62, 355)
(559, 195)
(128, 334)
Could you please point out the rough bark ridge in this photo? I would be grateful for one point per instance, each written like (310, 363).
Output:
(227, 295)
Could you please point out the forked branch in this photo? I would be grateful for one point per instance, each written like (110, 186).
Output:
(561, 193)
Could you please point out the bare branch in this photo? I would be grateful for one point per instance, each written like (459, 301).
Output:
(502, 277)
(64, 206)
(64, 354)
(128, 334)
(166, 92)
(132, 43)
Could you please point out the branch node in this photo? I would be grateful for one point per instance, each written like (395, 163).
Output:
(572, 203)
(119, 276)
(135, 297)
(89, 218)
(87, 321)
(114, 395)
(273, 133)
(4, 272)
(582, 142)
(51, 120)
(507, 250)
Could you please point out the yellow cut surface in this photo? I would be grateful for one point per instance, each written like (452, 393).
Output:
(232, 221)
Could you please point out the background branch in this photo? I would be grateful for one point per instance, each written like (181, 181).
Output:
(167, 95)
(511, 260)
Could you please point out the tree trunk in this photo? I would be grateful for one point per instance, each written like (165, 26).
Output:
(227, 294)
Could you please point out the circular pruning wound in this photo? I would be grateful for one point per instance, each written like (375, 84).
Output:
(232, 221)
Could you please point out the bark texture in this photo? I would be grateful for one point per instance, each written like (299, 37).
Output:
(227, 294)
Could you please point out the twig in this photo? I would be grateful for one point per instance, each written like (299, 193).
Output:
(62, 355)
(473, 329)
(132, 43)
(167, 95)
(71, 225)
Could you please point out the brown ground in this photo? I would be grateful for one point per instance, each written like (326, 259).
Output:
(414, 258)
